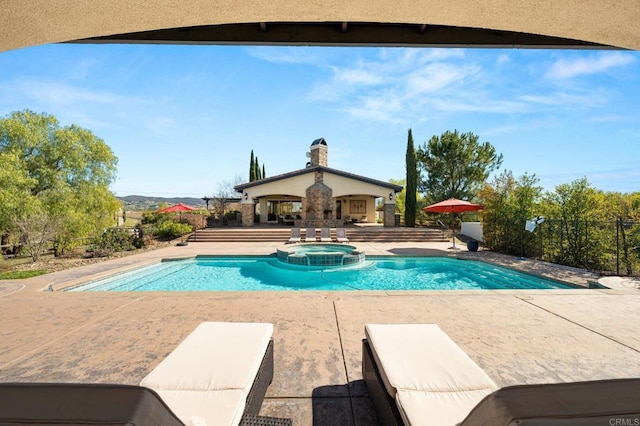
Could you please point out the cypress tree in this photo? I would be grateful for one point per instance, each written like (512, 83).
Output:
(264, 175)
(257, 167)
(252, 169)
(411, 202)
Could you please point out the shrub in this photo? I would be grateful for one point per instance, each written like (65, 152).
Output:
(173, 229)
(232, 214)
(152, 217)
(115, 240)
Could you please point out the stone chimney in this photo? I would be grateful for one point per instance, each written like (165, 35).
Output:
(319, 153)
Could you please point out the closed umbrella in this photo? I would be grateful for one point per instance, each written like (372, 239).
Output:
(452, 205)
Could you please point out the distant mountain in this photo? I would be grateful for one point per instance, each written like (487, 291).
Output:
(140, 202)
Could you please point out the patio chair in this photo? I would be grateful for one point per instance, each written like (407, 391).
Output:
(341, 235)
(295, 235)
(310, 235)
(219, 373)
(325, 235)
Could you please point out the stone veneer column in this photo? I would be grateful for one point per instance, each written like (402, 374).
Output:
(248, 210)
(390, 215)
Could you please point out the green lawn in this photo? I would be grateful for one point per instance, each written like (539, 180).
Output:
(18, 275)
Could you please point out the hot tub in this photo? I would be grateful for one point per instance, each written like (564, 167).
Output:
(325, 255)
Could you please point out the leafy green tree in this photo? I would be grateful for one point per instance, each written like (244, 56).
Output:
(62, 173)
(455, 165)
(15, 190)
(258, 172)
(508, 203)
(624, 209)
(412, 183)
(255, 172)
(572, 241)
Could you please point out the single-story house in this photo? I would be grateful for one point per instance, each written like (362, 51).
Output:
(316, 196)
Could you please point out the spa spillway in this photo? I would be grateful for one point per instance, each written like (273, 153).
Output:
(323, 255)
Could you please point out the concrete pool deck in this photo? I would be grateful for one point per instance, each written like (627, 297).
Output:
(530, 336)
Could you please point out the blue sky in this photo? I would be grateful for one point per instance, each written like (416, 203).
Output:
(182, 120)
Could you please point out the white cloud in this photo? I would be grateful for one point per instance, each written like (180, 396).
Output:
(56, 93)
(384, 108)
(503, 59)
(357, 77)
(568, 68)
(396, 84)
(461, 103)
(438, 76)
(586, 99)
(404, 85)
(288, 55)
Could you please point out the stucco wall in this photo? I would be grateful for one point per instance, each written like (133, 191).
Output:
(473, 230)
(344, 186)
(295, 186)
(26, 23)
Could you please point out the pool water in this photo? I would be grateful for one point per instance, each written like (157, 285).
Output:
(266, 273)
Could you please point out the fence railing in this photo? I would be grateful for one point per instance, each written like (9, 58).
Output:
(601, 246)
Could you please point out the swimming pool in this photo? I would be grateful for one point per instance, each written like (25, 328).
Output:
(266, 273)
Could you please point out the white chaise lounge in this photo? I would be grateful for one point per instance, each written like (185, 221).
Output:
(417, 375)
(295, 236)
(325, 235)
(310, 235)
(217, 374)
(341, 235)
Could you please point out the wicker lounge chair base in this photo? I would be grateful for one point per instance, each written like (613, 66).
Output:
(261, 383)
(82, 404)
(250, 420)
(600, 402)
(385, 406)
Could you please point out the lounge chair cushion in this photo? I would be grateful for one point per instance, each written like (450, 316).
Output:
(215, 356)
(209, 408)
(422, 357)
(436, 408)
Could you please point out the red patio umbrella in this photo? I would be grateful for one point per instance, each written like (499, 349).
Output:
(452, 205)
(177, 208)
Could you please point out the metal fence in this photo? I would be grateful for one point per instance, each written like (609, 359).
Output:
(602, 246)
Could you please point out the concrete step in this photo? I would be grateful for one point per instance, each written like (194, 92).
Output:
(356, 234)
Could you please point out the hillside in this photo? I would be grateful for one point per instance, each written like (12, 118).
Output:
(140, 202)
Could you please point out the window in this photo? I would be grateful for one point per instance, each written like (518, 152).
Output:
(358, 207)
